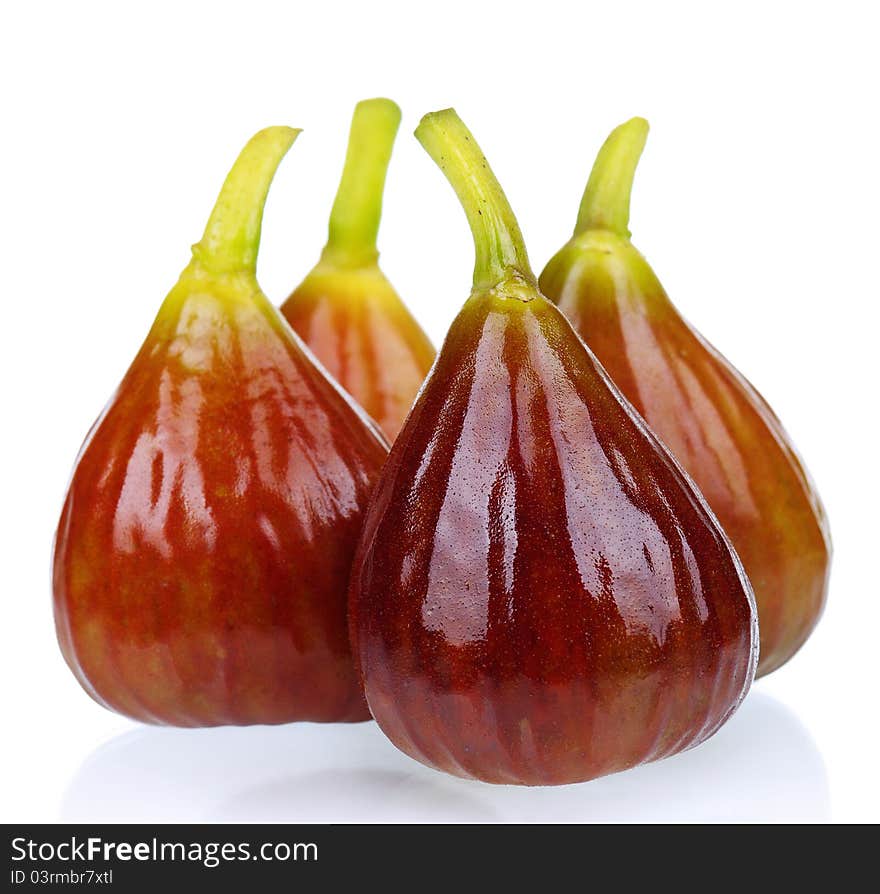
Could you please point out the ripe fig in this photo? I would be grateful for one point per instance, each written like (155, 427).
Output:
(204, 549)
(540, 595)
(714, 422)
(346, 310)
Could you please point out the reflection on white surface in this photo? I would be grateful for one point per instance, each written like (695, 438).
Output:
(762, 766)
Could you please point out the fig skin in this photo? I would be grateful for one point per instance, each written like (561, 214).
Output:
(346, 310)
(358, 327)
(203, 553)
(540, 595)
(710, 417)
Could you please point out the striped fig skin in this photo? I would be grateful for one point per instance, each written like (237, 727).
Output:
(363, 334)
(203, 553)
(713, 421)
(540, 596)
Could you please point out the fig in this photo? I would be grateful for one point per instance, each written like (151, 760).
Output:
(540, 595)
(202, 558)
(712, 419)
(346, 310)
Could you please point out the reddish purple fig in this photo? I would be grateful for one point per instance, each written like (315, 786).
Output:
(540, 595)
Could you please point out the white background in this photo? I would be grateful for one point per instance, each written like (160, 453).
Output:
(756, 201)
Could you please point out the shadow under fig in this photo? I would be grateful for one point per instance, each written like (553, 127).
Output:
(762, 766)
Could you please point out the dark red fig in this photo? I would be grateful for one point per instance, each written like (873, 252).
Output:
(714, 422)
(540, 595)
(204, 549)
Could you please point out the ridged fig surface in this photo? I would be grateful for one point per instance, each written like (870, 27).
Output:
(540, 595)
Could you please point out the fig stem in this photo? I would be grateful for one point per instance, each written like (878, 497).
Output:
(605, 205)
(357, 209)
(232, 237)
(498, 241)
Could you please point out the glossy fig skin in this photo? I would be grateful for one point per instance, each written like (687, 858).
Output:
(713, 421)
(345, 310)
(540, 596)
(363, 334)
(203, 552)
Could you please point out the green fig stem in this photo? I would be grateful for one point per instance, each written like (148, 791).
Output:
(605, 205)
(500, 250)
(232, 237)
(354, 220)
